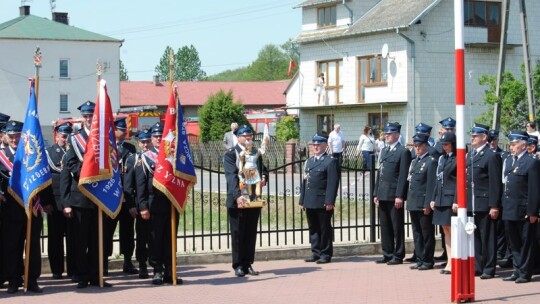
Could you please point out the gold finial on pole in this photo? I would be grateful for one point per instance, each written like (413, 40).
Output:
(37, 64)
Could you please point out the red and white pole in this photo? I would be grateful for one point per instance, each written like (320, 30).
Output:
(462, 233)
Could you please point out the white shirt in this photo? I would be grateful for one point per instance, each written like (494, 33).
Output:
(335, 141)
(366, 143)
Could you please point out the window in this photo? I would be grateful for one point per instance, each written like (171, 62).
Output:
(372, 71)
(63, 103)
(325, 124)
(64, 68)
(326, 16)
(333, 72)
(377, 121)
(484, 14)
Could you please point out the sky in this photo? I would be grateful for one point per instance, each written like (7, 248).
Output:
(227, 34)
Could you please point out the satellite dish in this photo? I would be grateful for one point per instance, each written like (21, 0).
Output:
(384, 51)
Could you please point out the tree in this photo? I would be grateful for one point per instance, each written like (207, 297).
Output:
(187, 65)
(217, 114)
(514, 104)
(123, 72)
(271, 64)
(287, 128)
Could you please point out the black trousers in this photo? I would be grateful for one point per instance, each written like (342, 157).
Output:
(142, 228)
(392, 230)
(320, 232)
(161, 241)
(13, 242)
(424, 237)
(243, 225)
(127, 232)
(485, 243)
(521, 236)
(86, 243)
(59, 227)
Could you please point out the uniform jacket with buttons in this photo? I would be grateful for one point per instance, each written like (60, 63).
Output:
(445, 191)
(393, 172)
(485, 170)
(522, 188)
(320, 184)
(421, 182)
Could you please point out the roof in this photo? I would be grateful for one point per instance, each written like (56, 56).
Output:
(387, 15)
(39, 28)
(138, 93)
(309, 3)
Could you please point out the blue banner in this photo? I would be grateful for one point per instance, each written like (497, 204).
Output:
(31, 172)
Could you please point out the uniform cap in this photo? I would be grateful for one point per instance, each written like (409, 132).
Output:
(478, 129)
(157, 129)
(493, 134)
(448, 137)
(318, 139)
(533, 140)
(120, 123)
(517, 135)
(13, 127)
(65, 128)
(144, 135)
(448, 122)
(423, 128)
(87, 107)
(420, 138)
(392, 127)
(244, 130)
(3, 119)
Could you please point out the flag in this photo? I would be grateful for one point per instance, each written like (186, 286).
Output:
(266, 139)
(31, 172)
(292, 65)
(100, 179)
(174, 174)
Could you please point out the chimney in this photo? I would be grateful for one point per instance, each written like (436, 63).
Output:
(60, 17)
(156, 80)
(24, 10)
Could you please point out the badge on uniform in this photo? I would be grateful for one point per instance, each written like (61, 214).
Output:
(516, 170)
(422, 166)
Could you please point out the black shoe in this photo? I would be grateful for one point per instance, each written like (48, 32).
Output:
(239, 272)
(411, 259)
(311, 259)
(157, 279)
(74, 279)
(522, 280)
(444, 271)
(129, 268)
(34, 287)
(394, 261)
(323, 261)
(513, 277)
(444, 264)
(442, 257)
(82, 284)
(486, 276)
(477, 273)
(167, 279)
(96, 283)
(382, 261)
(505, 263)
(57, 276)
(415, 266)
(249, 270)
(13, 287)
(143, 271)
(425, 267)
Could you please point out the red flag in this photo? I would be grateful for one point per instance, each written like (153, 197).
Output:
(292, 65)
(175, 173)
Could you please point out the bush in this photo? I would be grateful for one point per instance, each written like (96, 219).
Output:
(287, 128)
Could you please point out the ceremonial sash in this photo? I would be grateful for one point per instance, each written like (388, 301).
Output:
(79, 145)
(5, 161)
(152, 156)
(52, 164)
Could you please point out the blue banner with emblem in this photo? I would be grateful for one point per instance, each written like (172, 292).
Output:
(31, 172)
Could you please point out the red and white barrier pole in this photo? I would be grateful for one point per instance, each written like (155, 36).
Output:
(462, 232)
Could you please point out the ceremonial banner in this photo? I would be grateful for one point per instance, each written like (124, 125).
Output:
(174, 174)
(31, 172)
(100, 178)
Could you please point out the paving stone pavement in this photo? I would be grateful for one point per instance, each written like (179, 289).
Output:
(345, 280)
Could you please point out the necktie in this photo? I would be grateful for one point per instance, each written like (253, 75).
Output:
(514, 160)
(119, 148)
(474, 152)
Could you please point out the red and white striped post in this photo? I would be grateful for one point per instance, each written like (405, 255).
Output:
(462, 232)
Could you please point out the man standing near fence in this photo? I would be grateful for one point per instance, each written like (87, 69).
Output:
(390, 194)
(229, 139)
(336, 143)
(318, 197)
(243, 221)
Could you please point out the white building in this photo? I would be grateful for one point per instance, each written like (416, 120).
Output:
(415, 82)
(68, 74)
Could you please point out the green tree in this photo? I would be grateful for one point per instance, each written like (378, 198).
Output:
(287, 128)
(187, 65)
(271, 64)
(217, 114)
(123, 72)
(514, 104)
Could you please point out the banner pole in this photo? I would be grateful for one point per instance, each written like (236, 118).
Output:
(27, 245)
(100, 246)
(173, 244)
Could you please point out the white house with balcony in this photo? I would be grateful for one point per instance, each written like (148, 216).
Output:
(393, 60)
(68, 74)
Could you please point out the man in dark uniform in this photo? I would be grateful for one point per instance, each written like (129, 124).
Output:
(77, 207)
(532, 144)
(127, 213)
(484, 189)
(3, 120)
(57, 223)
(319, 190)
(14, 220)
(390, 194)
(139, 167)
(520, 202)
(422, 173)
(243, 221)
